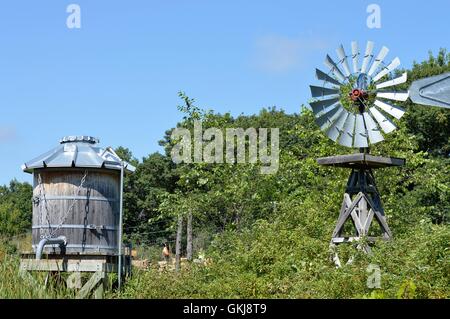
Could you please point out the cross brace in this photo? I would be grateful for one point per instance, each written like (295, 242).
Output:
(361, 205)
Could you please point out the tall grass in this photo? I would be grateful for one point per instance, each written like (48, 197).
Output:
(15, 285)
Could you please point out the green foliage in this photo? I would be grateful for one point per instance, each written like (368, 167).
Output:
(271, 231)
(143, 191)
(15, 208)
(275, 261)
(280, 249)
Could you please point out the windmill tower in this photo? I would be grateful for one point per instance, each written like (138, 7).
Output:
(355, 107)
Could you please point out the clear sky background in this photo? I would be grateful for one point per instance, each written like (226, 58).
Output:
(118, 76)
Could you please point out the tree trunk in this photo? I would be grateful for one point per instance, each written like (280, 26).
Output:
(189, 236)
(178, 243)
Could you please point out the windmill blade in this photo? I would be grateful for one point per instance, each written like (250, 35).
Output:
(343, 60)
(380, 57)
(396, 96)
(320, 91)
(355, 54)
(392, 66)
(322, 105)
(334, 69)
(372, 129)
(336, 129)
(346, 138)
(360, 132)
(393, 110)
(329, 118)
(386, 124)
(325, 77)
(401, 79)
(367, 56)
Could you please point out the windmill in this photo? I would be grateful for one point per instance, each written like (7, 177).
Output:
(355, 107)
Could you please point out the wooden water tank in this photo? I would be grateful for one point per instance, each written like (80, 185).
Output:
(88, 217)
(76, 194)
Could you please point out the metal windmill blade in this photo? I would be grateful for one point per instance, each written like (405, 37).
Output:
(327, 79)
(337, 127)
(334, 68)
(348, 131)
(367, 56)
(402, 79)
(355, 56)
(320, 91)
(386, 125)
(391, 67)
(396, 96)
(380, 57)
(320, 106)
(343, 60)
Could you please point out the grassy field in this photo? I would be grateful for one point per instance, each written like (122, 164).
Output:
(416, 265)
(14, 285)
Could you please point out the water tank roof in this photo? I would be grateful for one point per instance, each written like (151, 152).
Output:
(78, 151)
(83, 138)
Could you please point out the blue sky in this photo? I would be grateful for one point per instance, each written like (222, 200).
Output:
(118, 76)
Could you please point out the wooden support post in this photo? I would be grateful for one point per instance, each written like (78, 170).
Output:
(189, 237)
(26, 276)
(90, 284)
(102, 287)
(178, 243)
(74, 281)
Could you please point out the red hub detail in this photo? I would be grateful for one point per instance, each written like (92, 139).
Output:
(358, 95)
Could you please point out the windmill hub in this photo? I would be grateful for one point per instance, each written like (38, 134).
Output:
(358, 95)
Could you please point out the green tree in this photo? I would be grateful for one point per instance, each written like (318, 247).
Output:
(143, 189)
(15, 208)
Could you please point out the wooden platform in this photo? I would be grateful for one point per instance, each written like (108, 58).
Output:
(95, 268)
(69, 263)
(360, 160)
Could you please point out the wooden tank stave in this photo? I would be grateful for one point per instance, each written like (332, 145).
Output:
(92, 224)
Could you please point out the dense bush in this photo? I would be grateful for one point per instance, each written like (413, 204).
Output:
(285, 254)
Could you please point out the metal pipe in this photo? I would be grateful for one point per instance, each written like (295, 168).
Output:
(120, 226)
(61, 240)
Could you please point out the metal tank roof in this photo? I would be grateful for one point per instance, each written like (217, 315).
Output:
(78, 151)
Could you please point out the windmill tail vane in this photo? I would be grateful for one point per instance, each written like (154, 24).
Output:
(432, 91)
